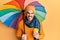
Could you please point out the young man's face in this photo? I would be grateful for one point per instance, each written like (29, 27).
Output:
(30, 15)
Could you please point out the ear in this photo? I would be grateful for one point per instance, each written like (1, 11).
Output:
(25, 14)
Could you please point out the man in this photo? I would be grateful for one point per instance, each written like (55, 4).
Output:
(31, 27)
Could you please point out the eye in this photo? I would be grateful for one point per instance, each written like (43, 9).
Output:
(28, 12)
(32, 13)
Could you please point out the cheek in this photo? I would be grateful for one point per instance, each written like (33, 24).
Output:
(32, 15)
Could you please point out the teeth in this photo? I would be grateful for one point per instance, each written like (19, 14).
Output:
(29, 17)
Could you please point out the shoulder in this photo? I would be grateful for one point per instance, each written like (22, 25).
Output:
(36, 20)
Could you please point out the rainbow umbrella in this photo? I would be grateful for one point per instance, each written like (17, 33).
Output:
(11, 12)
(40, 10)
(9, 15)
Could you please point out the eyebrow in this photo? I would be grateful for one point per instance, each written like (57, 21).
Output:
(28, 12)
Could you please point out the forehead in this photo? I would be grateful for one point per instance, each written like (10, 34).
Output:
(30, 11)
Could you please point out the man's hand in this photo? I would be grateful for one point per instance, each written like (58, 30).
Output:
(24, 37)
(36, 35)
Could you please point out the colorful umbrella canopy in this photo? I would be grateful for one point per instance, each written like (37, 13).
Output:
(40, 10)
(10, 13)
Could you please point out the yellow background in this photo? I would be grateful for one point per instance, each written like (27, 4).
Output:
(51, 25)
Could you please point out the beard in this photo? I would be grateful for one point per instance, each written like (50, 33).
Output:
(30, 18)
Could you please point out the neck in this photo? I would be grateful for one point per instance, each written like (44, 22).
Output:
(29, 21)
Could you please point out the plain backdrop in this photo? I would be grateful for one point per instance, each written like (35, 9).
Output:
(51, 25)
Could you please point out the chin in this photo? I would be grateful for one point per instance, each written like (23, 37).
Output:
(29, 20)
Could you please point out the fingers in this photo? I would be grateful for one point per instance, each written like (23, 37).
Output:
(36, 35)
(24, 37)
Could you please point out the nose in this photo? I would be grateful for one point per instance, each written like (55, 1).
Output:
(29, 14)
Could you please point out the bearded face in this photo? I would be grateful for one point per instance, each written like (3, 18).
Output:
(30, 15)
